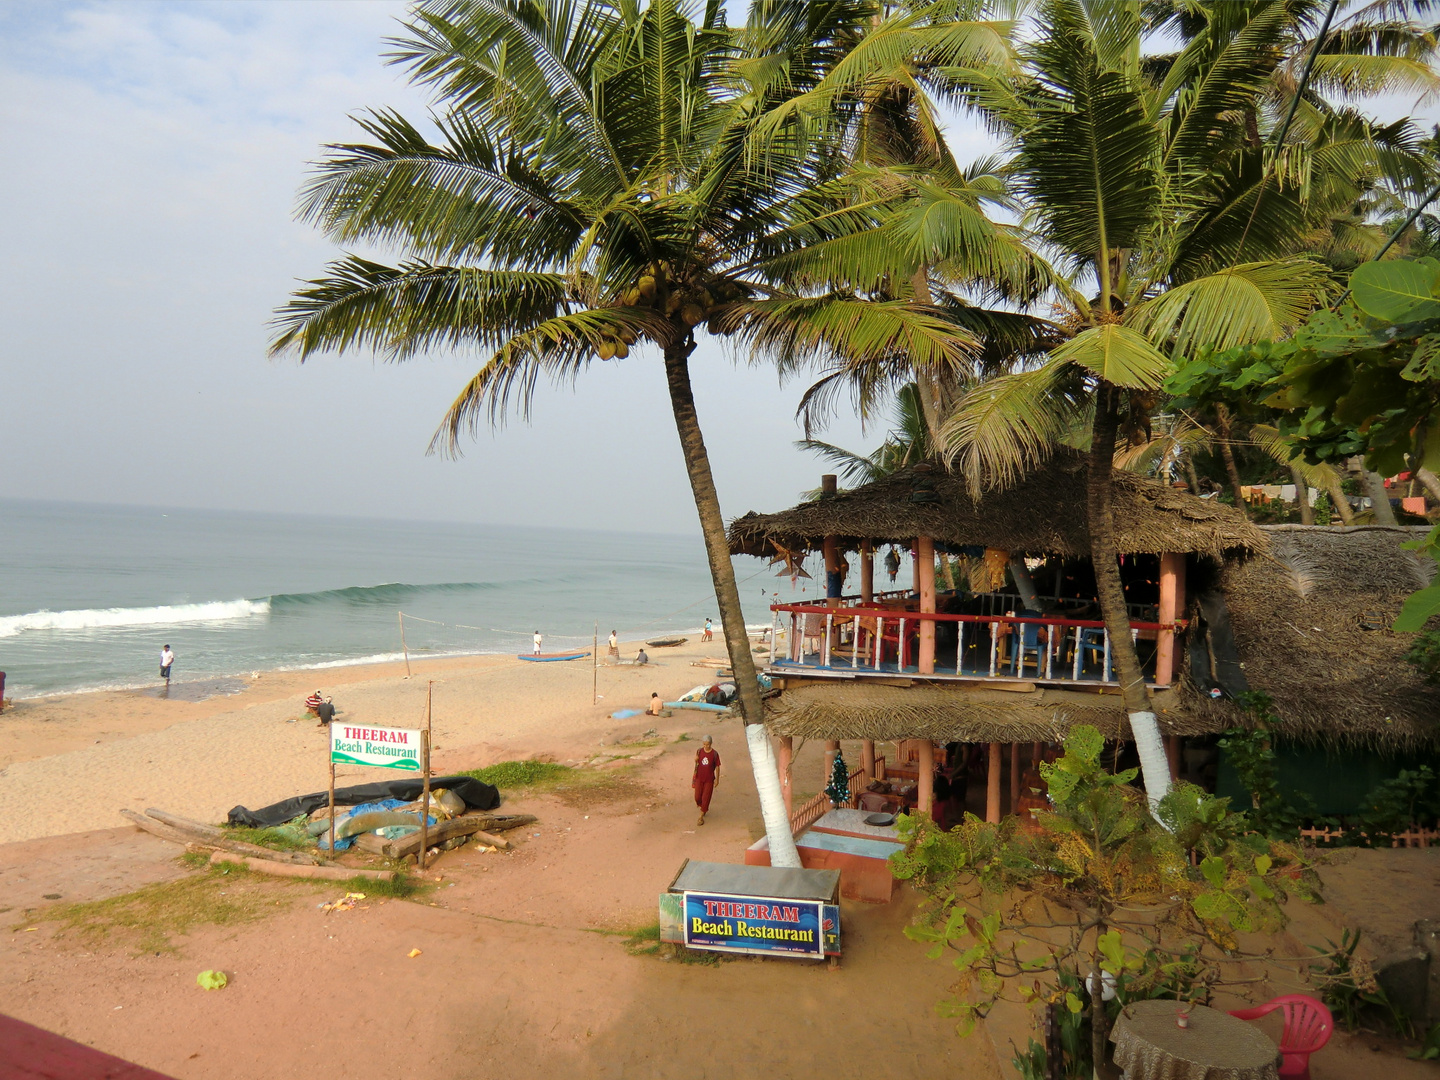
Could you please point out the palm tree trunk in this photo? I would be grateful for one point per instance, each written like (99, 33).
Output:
(1431, 483)
(1227, 454)
(732, 618)
(1379, 497)
(1338, 497)
(1191, 475)
(1154, 765)
(1302, 494)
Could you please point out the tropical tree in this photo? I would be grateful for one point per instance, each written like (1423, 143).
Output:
(1170, 183)
(598, 185)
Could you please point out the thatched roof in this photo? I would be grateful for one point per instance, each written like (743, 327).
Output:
(856, 709)
(1043, 514)
(1311, 622)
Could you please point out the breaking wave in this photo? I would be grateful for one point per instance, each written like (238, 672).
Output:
(110, 618)
(379, 595)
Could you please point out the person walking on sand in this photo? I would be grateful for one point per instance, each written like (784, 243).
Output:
(167, 661)
(709, 634)
(707, 775)
(539, 641)
(613, 645)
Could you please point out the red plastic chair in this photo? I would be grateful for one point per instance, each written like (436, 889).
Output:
(1308, 1027)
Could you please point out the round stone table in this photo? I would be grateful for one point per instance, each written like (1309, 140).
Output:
(1216, 1046)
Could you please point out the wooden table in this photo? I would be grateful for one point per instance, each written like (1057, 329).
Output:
(1149, 1045)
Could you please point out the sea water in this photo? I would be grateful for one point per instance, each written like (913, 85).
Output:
(89, 593)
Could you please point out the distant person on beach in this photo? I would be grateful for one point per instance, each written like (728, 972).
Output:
(314, 701)
(167, 661)
(655, 707)
(641, 657)
(326, 712)
(709, 634)
(539, 640)
(707, 775)
(614, 645)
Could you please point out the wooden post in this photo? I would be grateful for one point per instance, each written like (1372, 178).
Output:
(595, 666)
(867, 572)
(925, 548)
(1014, 777)
(925, 787)
(1172, 598)
(867, 759)
(784, 759)
(1173, 745)
(403, 647)
(992, 788)
(331, 751)
(425, 785)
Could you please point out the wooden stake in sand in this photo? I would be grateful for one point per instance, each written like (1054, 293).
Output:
(595, 666)
(403, 647)
(425, 786)
(332, 789)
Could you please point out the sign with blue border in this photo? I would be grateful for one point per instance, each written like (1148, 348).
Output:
(751, 924)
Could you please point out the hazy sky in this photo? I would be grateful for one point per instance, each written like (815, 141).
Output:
(153, 152)
(152, 155)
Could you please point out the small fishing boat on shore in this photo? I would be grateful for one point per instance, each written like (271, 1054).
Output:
(546, 657)
(666, 642)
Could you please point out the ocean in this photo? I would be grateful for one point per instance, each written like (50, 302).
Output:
(90, 593)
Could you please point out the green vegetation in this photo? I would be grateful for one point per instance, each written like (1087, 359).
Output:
(573, 787)
(1099, 886)
(513, 775)
(646, 942)
(289, 837)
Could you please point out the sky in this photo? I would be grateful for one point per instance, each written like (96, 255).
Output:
(153, 154)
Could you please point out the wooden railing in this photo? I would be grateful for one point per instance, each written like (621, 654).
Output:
(1415, 836)
(887, 627)
(811, 811)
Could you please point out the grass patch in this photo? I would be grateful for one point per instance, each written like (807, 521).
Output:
(574, 787)
(282, 838)
(148, 917)
(646, 942)
(520, 774)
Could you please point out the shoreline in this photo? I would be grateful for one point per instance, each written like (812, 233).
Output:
(69, 763)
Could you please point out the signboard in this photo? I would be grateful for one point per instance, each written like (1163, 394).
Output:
(751, 924)
(377, 747)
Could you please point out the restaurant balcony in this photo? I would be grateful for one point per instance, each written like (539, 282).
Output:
(883, 639)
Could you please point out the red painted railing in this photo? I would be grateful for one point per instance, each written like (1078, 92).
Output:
(879, 636)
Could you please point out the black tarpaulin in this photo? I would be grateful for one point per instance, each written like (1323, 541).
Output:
(477, 794)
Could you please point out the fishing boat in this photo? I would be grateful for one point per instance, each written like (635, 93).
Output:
(545, 657)
(666, 642)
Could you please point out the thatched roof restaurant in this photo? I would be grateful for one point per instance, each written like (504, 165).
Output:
(1044, 514)
(1311, 620)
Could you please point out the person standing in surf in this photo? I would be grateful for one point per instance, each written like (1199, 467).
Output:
(167, 660)
(539, 641)
(706, 776)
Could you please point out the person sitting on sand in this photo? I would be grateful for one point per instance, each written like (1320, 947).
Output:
(655, 707)
(313, 703)
(326, 712)
(641, 657)
(706, 776)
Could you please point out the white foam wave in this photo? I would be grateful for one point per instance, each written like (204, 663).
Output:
(114, 618)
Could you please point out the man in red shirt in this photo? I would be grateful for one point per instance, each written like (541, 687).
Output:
(707, 775)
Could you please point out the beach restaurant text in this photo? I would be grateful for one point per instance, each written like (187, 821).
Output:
(744, 924)
(391, 748)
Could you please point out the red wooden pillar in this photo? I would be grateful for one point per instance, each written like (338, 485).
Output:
(1014, 777)
(925, 553)
(1172, 602)
(783, 760)
(867, 759)
(1172, 749)
(925, 787)
(867, 572)
(992, 788)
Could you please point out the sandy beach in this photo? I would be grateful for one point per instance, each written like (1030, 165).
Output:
(70, 764)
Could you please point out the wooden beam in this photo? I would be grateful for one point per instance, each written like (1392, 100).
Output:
(992, 787)
(465, 825)
(925, 553)
(867, 572)
(1172, 600)
(867, 759)
(1014, 777)
(925, 786)
(1173, 746)
(184, 837)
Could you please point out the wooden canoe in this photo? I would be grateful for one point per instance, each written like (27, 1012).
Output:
(549, 656)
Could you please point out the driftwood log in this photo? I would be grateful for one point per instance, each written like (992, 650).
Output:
(491, 839)
(175, 821)
(274, 869)
(465, 825)
(239, 847)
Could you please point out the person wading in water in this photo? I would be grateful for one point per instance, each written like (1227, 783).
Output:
(707, 775)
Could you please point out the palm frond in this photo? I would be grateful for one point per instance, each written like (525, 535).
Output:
(1121, 355)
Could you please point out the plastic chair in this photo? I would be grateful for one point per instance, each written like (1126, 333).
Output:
(1308, 1027)
(1029, 642)
(1092, 640)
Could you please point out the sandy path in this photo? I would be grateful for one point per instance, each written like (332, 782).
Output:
(201, 759)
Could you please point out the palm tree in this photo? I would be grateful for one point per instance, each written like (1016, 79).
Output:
(1144, 175)
(598, 186)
